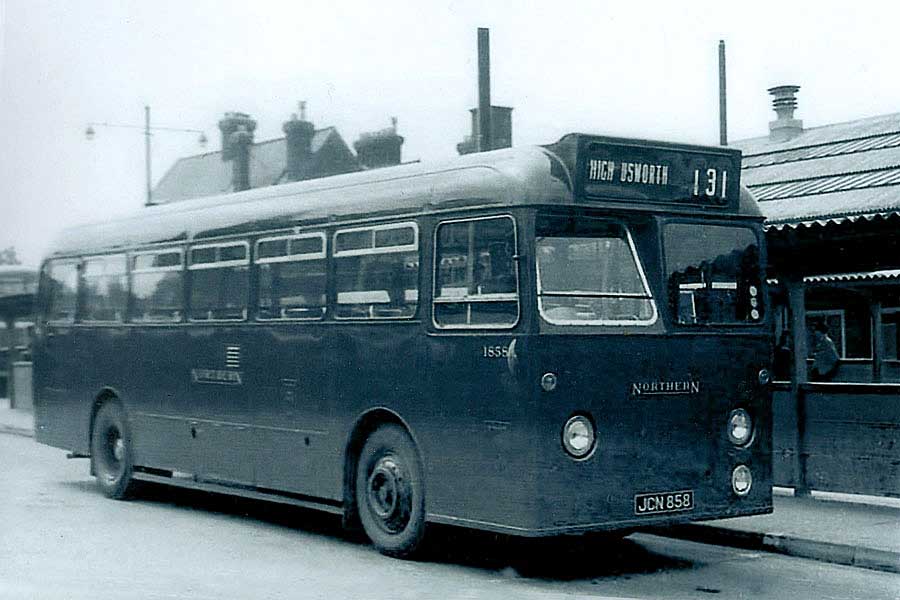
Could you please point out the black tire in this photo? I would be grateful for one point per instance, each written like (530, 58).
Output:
(112, 458)
(390, 492)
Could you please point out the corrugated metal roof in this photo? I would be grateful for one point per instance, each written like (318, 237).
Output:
(207, 174)
(866, 276)
(890, 140)
(831, 183)
(822, 167)
(831, 206)
(827, 175)
(825, 134)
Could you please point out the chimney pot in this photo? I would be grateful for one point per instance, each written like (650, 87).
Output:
(784, 102)
(229, 124)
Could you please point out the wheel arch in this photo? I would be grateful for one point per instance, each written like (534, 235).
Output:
(364, 426)
(107, 394)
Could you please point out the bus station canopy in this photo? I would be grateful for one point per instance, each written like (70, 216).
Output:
(829, 175)
(831, 196)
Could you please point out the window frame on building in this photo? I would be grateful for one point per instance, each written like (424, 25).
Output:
(831, 312)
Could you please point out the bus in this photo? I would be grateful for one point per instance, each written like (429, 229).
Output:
(18, 284)
(538, 341)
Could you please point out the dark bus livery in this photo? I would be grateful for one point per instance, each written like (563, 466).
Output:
(538, 341)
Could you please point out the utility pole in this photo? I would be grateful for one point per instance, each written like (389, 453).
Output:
(90, 132)
(147, 135)
(723, 119)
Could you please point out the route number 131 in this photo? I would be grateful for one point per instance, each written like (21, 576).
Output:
(710, 182)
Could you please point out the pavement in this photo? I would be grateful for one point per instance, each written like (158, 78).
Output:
(847, 529)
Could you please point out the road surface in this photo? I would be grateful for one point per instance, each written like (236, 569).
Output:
(60, 539)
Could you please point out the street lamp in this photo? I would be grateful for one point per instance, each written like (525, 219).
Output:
(90, 133)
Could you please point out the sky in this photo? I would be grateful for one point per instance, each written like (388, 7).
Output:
(642, 69)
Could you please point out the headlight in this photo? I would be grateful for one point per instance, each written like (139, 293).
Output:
(578, 436)
(741, 480)
(740, 427)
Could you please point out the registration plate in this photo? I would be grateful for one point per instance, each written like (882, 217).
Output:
(663, 502)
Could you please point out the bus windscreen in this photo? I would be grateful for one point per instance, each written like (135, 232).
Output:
(591, 276)
(713, 274)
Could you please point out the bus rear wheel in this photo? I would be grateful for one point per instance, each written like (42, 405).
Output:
(112, 459)
(390, 492)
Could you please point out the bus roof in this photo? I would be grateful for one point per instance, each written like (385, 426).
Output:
(510, 177)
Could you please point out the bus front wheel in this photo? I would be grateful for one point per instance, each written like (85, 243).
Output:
(390, 492)
(111, 453)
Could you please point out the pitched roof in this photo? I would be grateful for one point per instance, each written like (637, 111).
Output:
(207, 174)
(828, 174)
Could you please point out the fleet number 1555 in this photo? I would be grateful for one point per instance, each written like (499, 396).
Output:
(711, 182)
(495, 351)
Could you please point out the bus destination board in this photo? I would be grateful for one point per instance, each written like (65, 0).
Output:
(691, 176)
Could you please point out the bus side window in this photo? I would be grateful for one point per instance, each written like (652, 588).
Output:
(104, 289)
(377, 271)
(291, 277)
(157, 286)
(220, 282)
(476, 279)
(62, 295)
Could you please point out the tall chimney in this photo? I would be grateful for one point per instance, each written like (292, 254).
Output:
(237, 140)
(298, 136)
(784, 101)
(484, 90)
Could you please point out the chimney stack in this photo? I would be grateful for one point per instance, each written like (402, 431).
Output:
(784, 101)
(298, 136)
(501, 130)
(229, 124)
(237, 139)
(379, 148)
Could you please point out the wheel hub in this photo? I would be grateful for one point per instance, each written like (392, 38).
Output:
(119, 449)
(112, 454)
(389, 494)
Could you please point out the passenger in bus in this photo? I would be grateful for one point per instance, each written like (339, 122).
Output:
(396, 285)
(494, 273)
